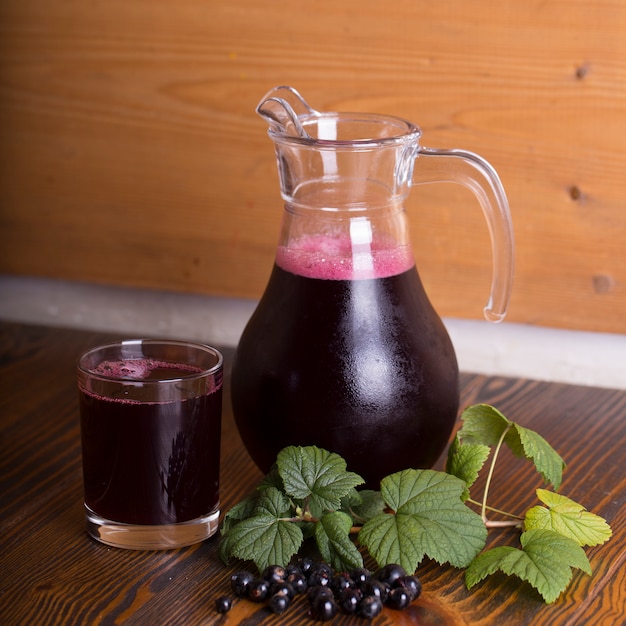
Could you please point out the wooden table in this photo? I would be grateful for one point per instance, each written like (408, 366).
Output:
(52, 573)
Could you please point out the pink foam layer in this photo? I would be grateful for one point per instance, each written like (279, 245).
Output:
(337, 259)
(137, 369)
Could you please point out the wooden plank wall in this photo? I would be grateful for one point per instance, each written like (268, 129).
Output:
(130, 152)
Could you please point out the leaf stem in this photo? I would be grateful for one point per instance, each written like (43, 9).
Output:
(494, 510)
(483, 511)
(503, 523)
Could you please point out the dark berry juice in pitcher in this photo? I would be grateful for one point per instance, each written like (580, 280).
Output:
(361, 367)
(344, 350)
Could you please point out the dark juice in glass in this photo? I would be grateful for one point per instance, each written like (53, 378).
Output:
(147, 462)
(360, 367)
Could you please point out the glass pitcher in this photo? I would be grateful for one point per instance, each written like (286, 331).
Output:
(344, 350)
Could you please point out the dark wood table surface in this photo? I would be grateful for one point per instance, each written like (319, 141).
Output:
(52, 573)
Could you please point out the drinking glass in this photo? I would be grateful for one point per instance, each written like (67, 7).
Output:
(150, 430)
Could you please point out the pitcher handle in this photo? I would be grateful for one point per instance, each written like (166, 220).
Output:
(475, 173)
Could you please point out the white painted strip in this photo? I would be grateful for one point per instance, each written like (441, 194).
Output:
(576, 357)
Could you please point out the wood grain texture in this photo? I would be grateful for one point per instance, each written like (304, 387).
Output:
(52, 573)
(130, 152)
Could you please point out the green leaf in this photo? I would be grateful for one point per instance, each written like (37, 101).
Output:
(567, 518)
(240, 511)
(371, 504)
(265, 540)
(527, 443)
(393, 539)
(273, 502)
(428, 505)
(482, 424)
(332, 535)
(414, 490)
(465, 460)
(271, 479)
(224, 549)
(266, 536)
(317, 475)
(545, 561)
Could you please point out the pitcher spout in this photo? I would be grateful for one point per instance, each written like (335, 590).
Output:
(282, 108)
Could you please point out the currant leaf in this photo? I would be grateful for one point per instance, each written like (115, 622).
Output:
(414, 490)
(265, 540)
(332, 535)
(567, 518)
(545, 561)
(529, 444)
(260, 530)
(482, 424)
(465, 460)
(272, 502)
(393, 538)
(241, 510)
(371, 504)
(316, 475)
(443, 527)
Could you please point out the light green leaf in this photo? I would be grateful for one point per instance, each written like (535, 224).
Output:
(545, 561)
(447, 530)
(527, 443)
(482, 424)
(465, 460)
(332, 535)
(316, 474)
(393, 539)
(567, 518)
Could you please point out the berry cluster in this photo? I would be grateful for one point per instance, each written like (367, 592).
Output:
(359, 592)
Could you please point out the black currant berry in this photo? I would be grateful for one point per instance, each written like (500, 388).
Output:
(282, 588)
(294, 568)
(320, 574)
(349, 600)
(341, 581)
(298, 581)
(323, 608)
(360, 576)
(223, 604)
(370, 607)
(258, 590)
(240, 581)
(274, 573)
(279, 603)
(319, 591)
(305, 564)
(390, 573)
(376, 588)
(412, 585)
(398, 599)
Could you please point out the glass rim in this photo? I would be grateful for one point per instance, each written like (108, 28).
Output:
(407, 132)
(196, 375)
